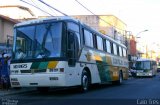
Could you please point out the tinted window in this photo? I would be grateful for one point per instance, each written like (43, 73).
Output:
(88, 38)
(24, 40)
(114, 49)
(95, 40)
(124, 52)
(99, 43)
(39, 41)
(108, 45)
(142, 65)
(120, 51)
(75, 28)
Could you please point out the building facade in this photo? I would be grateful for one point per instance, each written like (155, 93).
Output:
(16, 12)
(6, 32)
(132, 49)
(107, 24)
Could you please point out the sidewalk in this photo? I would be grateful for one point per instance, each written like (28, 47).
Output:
(11, 91)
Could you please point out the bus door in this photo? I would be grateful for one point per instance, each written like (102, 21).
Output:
(72, 48)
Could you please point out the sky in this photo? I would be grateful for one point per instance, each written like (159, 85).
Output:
(139, 15)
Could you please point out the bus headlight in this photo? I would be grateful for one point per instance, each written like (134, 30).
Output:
(150, 73)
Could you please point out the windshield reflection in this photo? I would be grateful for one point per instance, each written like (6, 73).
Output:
(38, 41)
(143, 65)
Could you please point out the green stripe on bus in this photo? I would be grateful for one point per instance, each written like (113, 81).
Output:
(104, 72)
(43, 65)
(35, 65)
(104, 59)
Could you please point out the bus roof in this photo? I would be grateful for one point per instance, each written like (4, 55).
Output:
(34, 21)
(58, 18)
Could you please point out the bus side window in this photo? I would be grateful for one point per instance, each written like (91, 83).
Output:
(120, 51)
(99, 43)
(71, 49)
(108, 46)
(74, 28)
(94, 41)
(114, 49)
(111, 44)
(88, 38)
(124, 52)
(152, 64)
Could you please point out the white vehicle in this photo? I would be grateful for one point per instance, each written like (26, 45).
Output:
(146, 67)
(63, 52)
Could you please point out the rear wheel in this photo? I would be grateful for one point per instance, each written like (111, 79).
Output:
(120, 80)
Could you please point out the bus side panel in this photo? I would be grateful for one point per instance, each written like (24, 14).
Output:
(87, 61)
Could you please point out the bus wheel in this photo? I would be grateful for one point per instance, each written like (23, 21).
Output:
(120, 80)
(85, 81)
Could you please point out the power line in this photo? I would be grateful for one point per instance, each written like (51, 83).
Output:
(97, 15)
(35, 4)
(52, 7)
(36, 7)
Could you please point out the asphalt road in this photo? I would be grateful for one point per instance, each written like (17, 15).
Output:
(133, 91)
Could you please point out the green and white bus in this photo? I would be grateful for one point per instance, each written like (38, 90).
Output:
(64, 52)
(145, 67)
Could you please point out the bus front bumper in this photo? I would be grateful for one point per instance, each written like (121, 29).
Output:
(38, 80)
(144, 74)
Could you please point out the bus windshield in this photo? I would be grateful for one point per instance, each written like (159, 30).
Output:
(142, 65)
(38, 41)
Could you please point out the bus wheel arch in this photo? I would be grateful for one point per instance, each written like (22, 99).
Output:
(120, 78)
(85, 79)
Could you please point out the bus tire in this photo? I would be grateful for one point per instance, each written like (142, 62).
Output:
(120, 80)
(85, 81)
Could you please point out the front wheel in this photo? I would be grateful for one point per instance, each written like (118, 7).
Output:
(85, 81)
